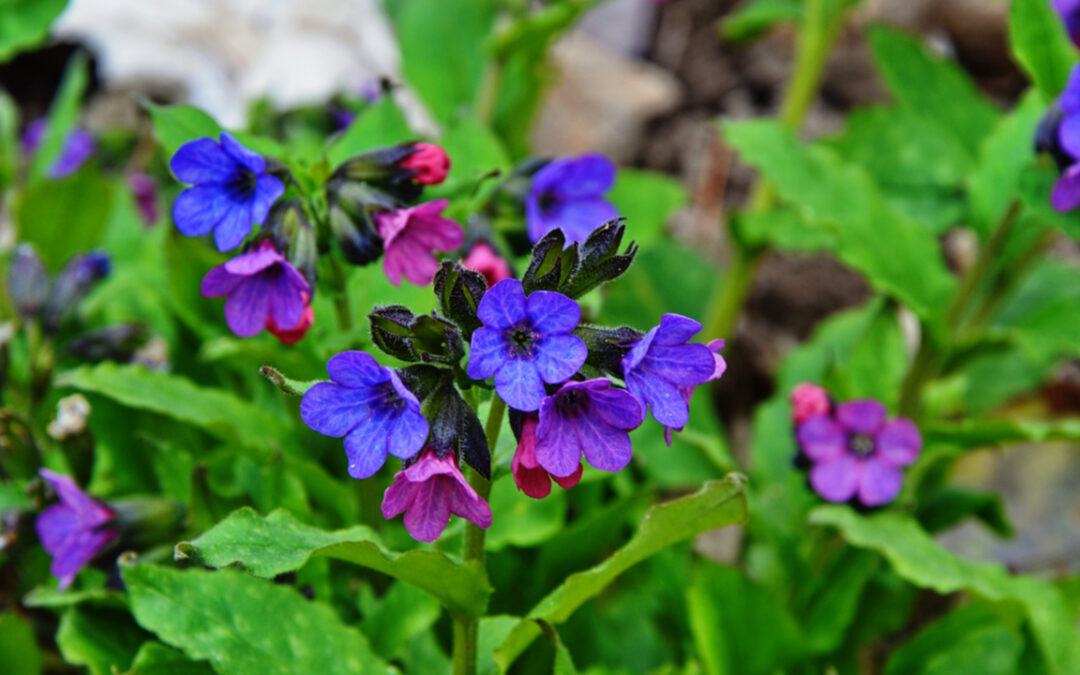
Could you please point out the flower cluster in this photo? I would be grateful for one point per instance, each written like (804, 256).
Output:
(575, 390)
(367, 205)
(855, 452)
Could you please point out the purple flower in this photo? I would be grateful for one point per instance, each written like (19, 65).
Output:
(230, 190)
(73, 531)
(568, 194)
(719, 368)
(410, 235)
(78, 146)
(857, 451)
(368, 405)
(662, 362)
(430, 490)
(525, 342)
(145, 190)
(1064, 128)
(589, 418)
(1069, 11)
(531, 478)
(261, 286)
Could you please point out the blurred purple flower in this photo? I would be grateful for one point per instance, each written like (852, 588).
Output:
(145, 191)
(662, 363)
(568, 194)
(590, 418)
(78, 146)
(231, 189)
(73, 531)
(525, 342)
(1069, 11)
(410, 236)
(857, 451)
(368, 405)
(1064, 128)
(430, 490)
(261, 286)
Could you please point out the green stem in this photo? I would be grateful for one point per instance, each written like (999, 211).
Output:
(727, 303)
(977, 274)
(466, 628)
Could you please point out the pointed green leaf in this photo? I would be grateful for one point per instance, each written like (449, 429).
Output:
(1041, 45)
(24, 23)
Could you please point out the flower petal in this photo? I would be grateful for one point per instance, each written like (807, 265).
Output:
(219, 283)
(518, 383)
(254, 261)
(617, 408)
(487, 351)
(558, 357)
(503, 305)
(1069, 134)
(398, 497)
(676, 329)
(366, 444)
(286, 302)
(821, 438)
(879, 482)
(863, 416)
(333, 410)
(837, 479)
(233, 227)
(202, 161)
(567, 482)
(248, 307)
(252, 161)
(578, 217)
(685, 365)
(558, 449)
(1066, 193)
(899, 442)
(408, 434)
(666, 402)
(590, 174)
(198, 210)
(534, 482)
(430, 511)
(356, 369)
(551, 312)
(470, 506)
(606, 448)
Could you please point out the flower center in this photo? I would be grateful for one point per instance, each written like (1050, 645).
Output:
(521, 339)
(570, 403)
(861, 444)
(548, 200)
(242, 183)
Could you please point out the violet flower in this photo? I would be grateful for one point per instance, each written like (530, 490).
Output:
(568, 194)
(1059, 134)
(719, 368)
(73, 531)
(1069, 11)
(261, 287)
(428, 491)
(531, 478)
(857, 451)
(368, 405)
(78, 147)
(410, 236)
(663, 361)
(231, 189)
(590, 418)
(525, 342)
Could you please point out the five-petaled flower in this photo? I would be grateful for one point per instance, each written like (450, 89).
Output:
(568, 194)
(525, 342)
(529, 476)
(73, 531)
(857, 451)
(368, 405)
(263, 290)
(662, 363)
(230, 191)
(428, 491)
(429, 164)
(410, 235)
(591, 418)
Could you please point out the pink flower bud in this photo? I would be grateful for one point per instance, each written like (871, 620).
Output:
(808, 400)
(430, 162)
(486, 261)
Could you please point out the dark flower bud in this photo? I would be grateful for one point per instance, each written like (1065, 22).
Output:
(72, 285)
(429, 163)
(293, 234)
(352, 209)
(391, 332)
(607, 346)
(454, 424)
(1047, 137)
(405, 336)
(146, 521)
(111, 343)
(28, 282)
(382, 168)
(459, 291)
(600, 260)
(437, 339)
(551, 265)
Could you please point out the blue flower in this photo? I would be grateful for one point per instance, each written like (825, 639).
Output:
(568, 194)
(661, 363)
(368, 405)
(525, 342)
(74, 530)
(230, 190)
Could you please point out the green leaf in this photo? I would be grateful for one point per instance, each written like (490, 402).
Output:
(645, 292)
(279, 543)
(899, 257)
(738, 627)
(99, 639)
(154, 658)
(717, 504)
(245, 625)
(782, 228)
(378, 125)
(524, 521)
(833, 598)
(64, 217)
(1036, 183)
(951, 506)
(934, 87)
(971, 639)
(1041, 45)
(218, 412)
(647, 200)
(25, 23)
(403, 612)
(18, 649)
(919, 559)
(63, 114)
(177, 124)
(9, 139)
(444, 66)
(982, 432)
(753, 18)
(1043, 314)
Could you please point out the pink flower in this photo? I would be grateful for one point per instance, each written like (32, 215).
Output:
(289, 336)
(530, 477)
(486, 261)
(428, 491)
(808, 400)
(430, 162)
(410, 236)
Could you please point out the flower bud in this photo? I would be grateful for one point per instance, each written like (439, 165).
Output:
(146, 521)
(382, 168)
(429, 164)
(144, 189)
(483, 258)
(28, 282)
(808, 400)
(111, 343)
(352, 208)
(72, 285)
(293, 234)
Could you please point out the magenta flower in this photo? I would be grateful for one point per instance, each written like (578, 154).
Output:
(662, 362)
(410, 236)
(428, 491)
(525, 342)
(857, 451)
(486, 261)
(368, 405)
(529, 476)
(429, 164)
(808, 400)
(261, 286)
(590, 418)
(73, 531)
